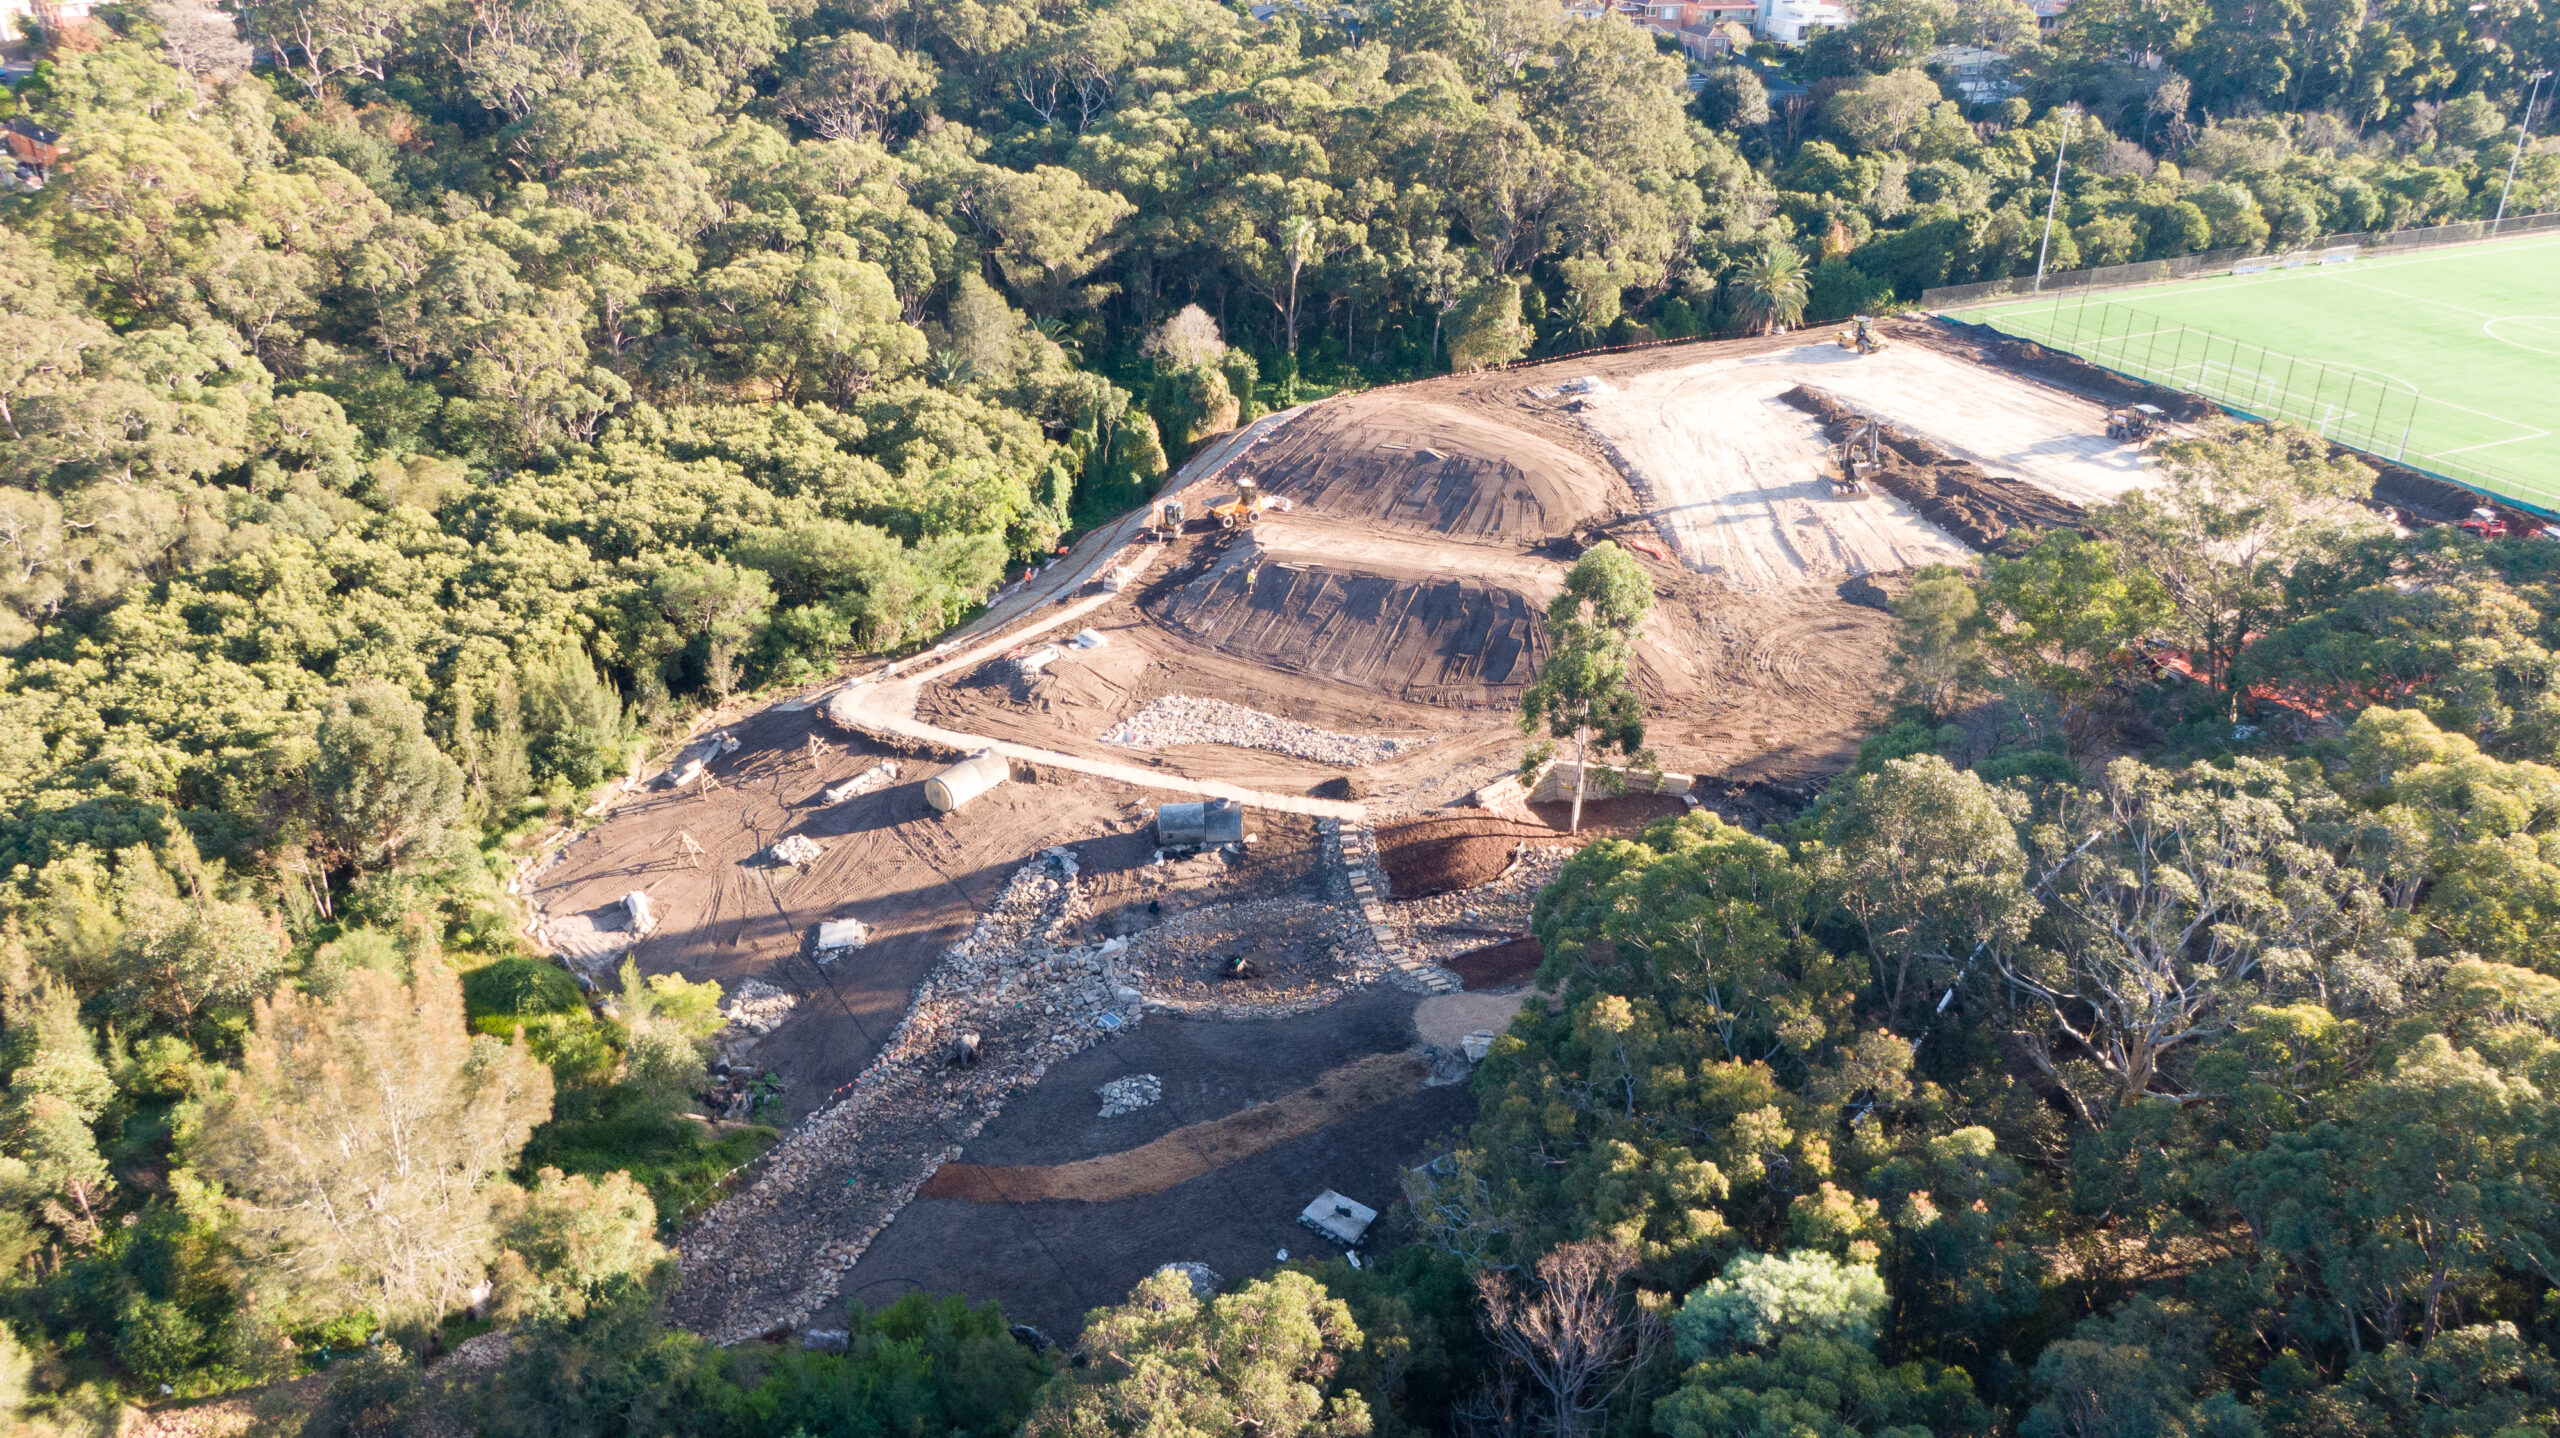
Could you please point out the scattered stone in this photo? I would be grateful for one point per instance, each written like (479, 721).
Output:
(964, 1050)
(638, 916)
(1128, 1095)
(1187, 719)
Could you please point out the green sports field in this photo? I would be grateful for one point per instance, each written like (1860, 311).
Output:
(2449, 358)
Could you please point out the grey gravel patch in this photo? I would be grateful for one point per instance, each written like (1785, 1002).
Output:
(1128, 1095)
(1189, 719)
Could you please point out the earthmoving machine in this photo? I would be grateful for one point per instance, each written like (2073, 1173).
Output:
(2485, 523)
(1852, 468)
(2135, 423)
(1167, 519)
(1862, 335)
(1241, 511)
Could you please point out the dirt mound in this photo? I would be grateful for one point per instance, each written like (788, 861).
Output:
(1982, 509)
(2425, 497)
(1340, 786)
(1440, 641)
(1497, 966)
(1423, 857)
(2072, 372)
(1398, 459)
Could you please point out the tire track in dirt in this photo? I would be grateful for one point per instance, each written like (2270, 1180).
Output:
(1194, 1150)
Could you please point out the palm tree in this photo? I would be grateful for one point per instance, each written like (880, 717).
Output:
(1773, 287)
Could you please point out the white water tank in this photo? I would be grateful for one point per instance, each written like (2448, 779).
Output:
(966, 780)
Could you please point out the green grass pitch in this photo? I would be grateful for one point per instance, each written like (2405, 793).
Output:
(2448, 357)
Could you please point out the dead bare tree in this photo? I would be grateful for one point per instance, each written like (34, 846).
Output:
(1576, 1330)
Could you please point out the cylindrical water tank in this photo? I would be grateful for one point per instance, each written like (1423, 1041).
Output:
(966, 780)
(1218, 821)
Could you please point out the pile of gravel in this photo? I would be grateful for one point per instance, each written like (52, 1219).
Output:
(758, 1008)
(1188, 719)
(1128, 1095)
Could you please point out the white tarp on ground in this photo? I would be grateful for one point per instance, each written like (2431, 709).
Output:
(836, 935)
(636, 909)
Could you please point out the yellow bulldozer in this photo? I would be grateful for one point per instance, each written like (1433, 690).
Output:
(1861, 336)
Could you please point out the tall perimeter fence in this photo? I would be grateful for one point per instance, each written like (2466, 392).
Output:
(2353, 406)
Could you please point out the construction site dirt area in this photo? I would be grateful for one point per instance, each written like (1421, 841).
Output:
(724, 909)
(1498, 966)
(1030, 1050)
(1055, 1208)
(1741, 483)
(1434, 459)
(1438, 854)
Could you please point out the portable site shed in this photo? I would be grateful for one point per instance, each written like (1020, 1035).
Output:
(966, 780)
(1217, 821)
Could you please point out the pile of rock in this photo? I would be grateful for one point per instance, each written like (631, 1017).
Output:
(796, 851)
(1128, 1095)
(756, 1008)
(1188, 719)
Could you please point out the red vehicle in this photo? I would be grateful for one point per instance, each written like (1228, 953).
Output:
(2486, 524)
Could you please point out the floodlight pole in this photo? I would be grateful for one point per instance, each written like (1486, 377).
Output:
(2044, 248)
(2524, 137)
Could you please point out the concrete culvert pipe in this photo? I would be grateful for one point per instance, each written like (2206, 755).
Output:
(1218, 821)
(966, 780)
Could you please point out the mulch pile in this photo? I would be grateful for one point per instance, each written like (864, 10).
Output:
(1984, 510)
(1498, 966)
(1423, 857)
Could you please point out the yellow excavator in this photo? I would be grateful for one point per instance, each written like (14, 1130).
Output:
(1241, 511)
(1862, 335)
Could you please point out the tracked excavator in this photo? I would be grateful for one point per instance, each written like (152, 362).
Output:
(1857, 459)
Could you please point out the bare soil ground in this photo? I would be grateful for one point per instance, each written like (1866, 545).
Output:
(1498, 966)
(1194, 1150)
(1426, 459)
(1740, 484)
(1051, 1260)
(1439, 854)
(917, 878)
(1987, 511)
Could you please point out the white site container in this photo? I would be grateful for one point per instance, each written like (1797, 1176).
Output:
(966, 780)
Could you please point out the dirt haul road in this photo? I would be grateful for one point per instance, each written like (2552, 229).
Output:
(1738, 480)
